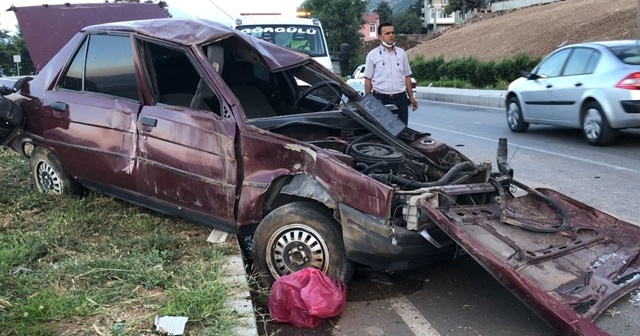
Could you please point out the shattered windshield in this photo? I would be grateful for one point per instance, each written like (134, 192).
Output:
(304, 38)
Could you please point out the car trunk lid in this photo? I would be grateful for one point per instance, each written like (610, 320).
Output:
(47, 28)
(569, 264)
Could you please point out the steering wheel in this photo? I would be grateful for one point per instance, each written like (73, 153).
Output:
(335, 87)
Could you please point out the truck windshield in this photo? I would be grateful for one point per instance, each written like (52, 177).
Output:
(305, 38)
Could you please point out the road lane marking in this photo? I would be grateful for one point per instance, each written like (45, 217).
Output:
(536, 149)
(412, 317)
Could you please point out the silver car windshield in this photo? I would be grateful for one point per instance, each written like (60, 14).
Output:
(303, 38)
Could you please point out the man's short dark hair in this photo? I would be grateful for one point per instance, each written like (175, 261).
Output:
(384, 24)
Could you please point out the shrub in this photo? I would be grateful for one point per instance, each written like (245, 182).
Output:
(426, 70)
(485, 74)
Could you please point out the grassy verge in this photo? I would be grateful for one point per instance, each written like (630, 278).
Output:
(99, 266)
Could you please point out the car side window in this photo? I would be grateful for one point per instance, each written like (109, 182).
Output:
(178, 82)
(593, 62)
(580, 62)
(72, 80)
(110, 67)
(552, 66)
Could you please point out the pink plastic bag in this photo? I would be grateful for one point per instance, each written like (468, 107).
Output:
(306, 297)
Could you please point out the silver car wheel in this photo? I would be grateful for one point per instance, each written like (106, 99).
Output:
(48, 180)
(513, 115)
(592, 124)
(294, 247)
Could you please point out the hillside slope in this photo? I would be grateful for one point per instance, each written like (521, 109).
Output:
(536, 30)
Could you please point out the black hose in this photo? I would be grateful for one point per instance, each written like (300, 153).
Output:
(415, 184)
(373, 166)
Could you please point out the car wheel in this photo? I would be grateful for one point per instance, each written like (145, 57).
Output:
(595, 126)
(48, 175)
(514, 116)
(295, 236)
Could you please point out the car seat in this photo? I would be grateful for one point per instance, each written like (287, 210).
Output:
(239, 76)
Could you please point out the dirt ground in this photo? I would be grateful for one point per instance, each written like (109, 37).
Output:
(535, 30)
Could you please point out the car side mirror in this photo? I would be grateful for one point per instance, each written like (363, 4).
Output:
(345, 53)
(529, 75)
(349, 77)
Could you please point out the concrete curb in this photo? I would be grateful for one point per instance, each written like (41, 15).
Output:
(239, 298)
(488, 98)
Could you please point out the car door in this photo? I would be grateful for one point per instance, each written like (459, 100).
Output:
(186, 150)
(570, 87)
(88, 117)
(537, 92)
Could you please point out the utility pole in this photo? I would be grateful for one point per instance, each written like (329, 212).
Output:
(638, 19)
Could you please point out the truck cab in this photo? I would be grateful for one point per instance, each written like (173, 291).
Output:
(300, 34)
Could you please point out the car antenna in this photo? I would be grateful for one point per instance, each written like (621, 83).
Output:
(563, 43)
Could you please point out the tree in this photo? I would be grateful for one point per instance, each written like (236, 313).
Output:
(341, 19)
(407, 23)
(464, 5)
(385, 14)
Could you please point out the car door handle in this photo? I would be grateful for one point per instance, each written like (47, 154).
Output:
(59, 106)
(578, 84)
(549, 86)
(148, 121)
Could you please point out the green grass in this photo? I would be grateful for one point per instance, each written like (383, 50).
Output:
(96, 265)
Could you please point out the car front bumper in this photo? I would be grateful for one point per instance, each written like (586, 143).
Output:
(371, 241)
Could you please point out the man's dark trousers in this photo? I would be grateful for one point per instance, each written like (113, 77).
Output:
(401, 101)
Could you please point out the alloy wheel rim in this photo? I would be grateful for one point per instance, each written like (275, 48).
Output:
(513, 115)
(294, 247)
(592, 125)
(48, 179)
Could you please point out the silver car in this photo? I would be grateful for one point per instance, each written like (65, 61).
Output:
(592, 86)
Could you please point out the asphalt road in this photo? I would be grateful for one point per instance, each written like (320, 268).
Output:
(459, 297)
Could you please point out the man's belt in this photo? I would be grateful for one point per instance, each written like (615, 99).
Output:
(389, 96)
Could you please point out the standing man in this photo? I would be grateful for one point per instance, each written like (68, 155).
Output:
(387, 73)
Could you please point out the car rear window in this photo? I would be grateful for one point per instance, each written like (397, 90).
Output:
(629, 53)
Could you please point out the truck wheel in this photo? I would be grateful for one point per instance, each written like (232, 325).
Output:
(295, 236)
(49, 177)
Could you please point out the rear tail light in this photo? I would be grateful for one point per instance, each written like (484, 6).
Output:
(631, 82)
(413, 85)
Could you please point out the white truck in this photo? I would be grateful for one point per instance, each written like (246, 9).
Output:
(301, 34)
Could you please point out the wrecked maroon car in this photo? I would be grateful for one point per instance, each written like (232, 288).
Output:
(201, 121)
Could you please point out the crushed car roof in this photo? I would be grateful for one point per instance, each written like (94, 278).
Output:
(47, 28)
(187, 32)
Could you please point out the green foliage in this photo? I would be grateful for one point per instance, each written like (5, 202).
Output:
(407, 23)
(385, 14)
(460, 68)
(464, 5)
(484, 75)
(426, 69)
(341, 20)
(469, 72)
(66, 260)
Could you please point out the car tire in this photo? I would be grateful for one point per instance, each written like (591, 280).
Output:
(286, 239)
(515, 119)
(595, 126)
(49, 177)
